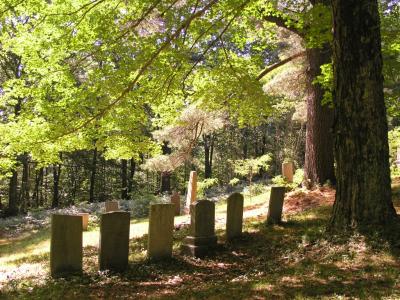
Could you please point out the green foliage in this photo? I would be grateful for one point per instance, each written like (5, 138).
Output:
(326, 81)
(203, 186)
(234, 181)
(298, 178)
(249, 167)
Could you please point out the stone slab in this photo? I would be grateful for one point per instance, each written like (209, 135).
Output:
(85, 221)
(234, 216)
(65, 245)
(275, 204)
(114, 241)
(287, 171)
(191, 196)
(176, 200)
(161, 228)
(202, 240)
(111, 206)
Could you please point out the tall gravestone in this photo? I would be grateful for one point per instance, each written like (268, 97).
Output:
(287, 171)
(114, 241)
(111, 206)
(202, 239)
(176, 201)
(161, 228)
(65, 245)
(192, 189)
(234, 216)
(275, 204)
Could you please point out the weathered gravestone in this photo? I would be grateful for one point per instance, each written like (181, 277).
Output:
(114, 241)
(234, 216)
(111, 206)
(161, 227)
(192, 189)
(287, 171)
(65, 245)
(202, 239)
(85, 221)
(176, 201)
(275, 204)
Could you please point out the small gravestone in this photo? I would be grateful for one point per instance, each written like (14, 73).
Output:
(114, 241)
(65, 245)
(202, 239)
(234, 216)
(161, 227)
(287, 171)
(192, 189)
(111, 206)
(275, 204)
(85, 220)
(176, 201)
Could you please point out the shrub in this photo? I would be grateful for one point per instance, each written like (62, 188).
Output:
(203, 186)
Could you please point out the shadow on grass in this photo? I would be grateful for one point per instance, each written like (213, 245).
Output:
(294, 259)
(24, 243)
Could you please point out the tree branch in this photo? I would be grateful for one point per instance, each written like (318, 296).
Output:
(281, 63)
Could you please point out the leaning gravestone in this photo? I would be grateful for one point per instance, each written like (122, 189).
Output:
(287, 171)
(85, 221)
(161, 227)
(176, 201)
(275, 204)
(192, 189)
(65, 245)
(111, 206)
(202, 239)
(114, 241)
(234, 216)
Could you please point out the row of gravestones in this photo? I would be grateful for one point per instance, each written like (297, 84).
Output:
(66, 233)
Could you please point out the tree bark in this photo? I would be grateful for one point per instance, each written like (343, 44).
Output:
(124, 179)
(38, 183)
(363, 195)
(319, 161)
(165, 176)
(24, 192)
(93, 176)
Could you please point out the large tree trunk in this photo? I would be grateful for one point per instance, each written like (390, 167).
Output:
(319, 160)
(124, 179)
(363, 195)
(93, 171)
(13, 194)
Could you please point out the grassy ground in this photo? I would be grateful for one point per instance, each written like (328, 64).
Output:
(295, 260)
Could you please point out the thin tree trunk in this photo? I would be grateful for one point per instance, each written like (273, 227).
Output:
(124, 179)
(38, 184)
(166, 176)
(24, 192)
(131, 174)
(93, 171)
(56, 184)
(363, 195)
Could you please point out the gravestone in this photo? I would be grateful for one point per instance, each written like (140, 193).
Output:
(234, 216)
(176, 200)
(161, 227)
(65, 245)
(85, 220)
(202, 239)
(275, 204)
(287, 171)
(192, 189)
(112, 206)
(114, 240)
